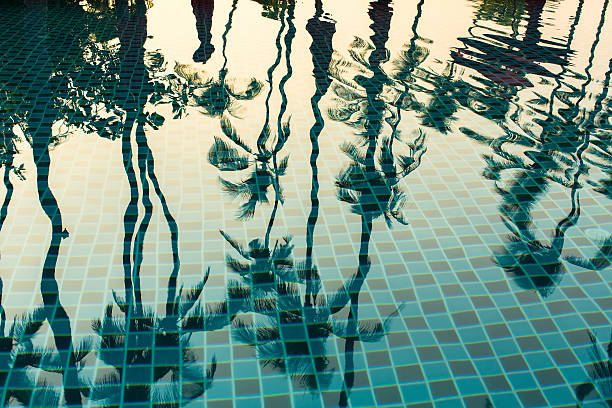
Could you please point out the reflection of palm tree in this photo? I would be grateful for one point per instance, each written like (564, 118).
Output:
(55, 313)
(445, 92)
(263, 265)
(150, 358)
(447, 95)
(20, 360)
(263, 164)
(143, 348)
(287, 333)
(214, 95)
(527, 259)
(140, 324)
(322, 30)
(48, 100)
(370, 189)
(555, 154)
(598, 146)
(370, 184)
(291, 336)
(137, 91)
(400, 85)
(600, 373)
(525, 256)
(132, 35)
(263, 175)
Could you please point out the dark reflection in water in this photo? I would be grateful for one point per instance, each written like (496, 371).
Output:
(88, 68)
(41, 136)
(370, 183)
(203, 11)
(506, 60)
(216, 96)
(20, 358)
(529, 260)
(149, 358)
(599, 384)
(321, 30)
(559, 154)
(262, 163)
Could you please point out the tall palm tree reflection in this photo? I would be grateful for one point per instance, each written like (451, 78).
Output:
(40, 127)
(370, 183)
(141, 347)
(265, 168)
(321, 29)
(288, 332)
(559, 152)
(263, 263)
(150, 358)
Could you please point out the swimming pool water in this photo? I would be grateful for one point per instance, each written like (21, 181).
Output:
(279, 203)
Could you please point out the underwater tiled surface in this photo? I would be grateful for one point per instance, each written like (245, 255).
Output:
(278, 203)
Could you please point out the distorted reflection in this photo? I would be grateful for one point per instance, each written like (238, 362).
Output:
(150, 358)
(370, 183)
(262, 162)
(321, 29)
(558, 147)
(507, 60)
(215, 96)
(479, 131)
(599, 385)
(19, 359)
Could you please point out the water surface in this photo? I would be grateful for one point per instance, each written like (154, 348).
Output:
(279, 203)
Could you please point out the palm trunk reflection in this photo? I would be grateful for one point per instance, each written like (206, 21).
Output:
(41, 133)
(380, 13)
(148, 358)
(321, 30)
(559, 154)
